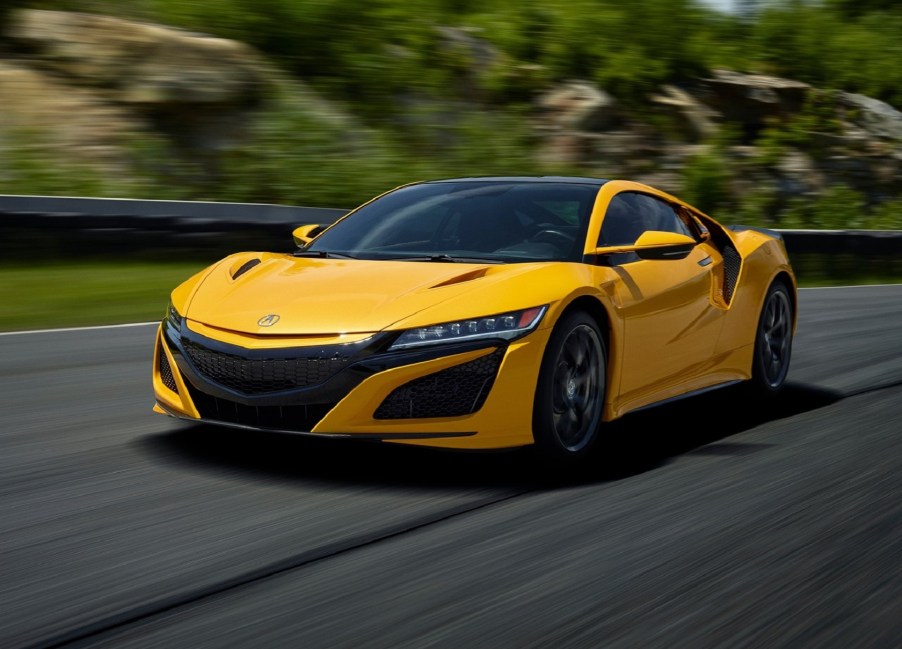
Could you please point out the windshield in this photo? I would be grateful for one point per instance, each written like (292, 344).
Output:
(499, 221)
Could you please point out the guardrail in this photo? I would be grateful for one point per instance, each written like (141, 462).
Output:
(134, 223)
(93, 213)
(51, 226)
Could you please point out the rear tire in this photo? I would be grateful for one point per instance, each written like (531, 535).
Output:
(773, 341)
(569, 397)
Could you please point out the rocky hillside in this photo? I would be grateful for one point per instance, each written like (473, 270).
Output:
(98, 105)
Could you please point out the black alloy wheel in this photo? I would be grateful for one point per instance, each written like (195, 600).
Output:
(773, 341)
(570, 393)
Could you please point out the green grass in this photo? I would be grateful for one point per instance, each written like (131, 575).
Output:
(111, 292)
(87, 293)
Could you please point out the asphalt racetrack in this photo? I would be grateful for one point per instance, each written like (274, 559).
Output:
(707, 523)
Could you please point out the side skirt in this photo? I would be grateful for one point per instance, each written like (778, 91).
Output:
(693, 393)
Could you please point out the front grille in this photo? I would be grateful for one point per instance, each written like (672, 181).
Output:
(731, 264)
(166, 373)
(458, 390)
(301, 418)
(259, 376)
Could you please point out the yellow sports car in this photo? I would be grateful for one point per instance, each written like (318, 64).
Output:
(481, 313)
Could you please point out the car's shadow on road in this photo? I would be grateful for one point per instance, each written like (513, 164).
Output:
(637, 443)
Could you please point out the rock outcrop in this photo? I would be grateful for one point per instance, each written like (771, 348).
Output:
(877, 118)
(753, 99)
(576, 105)
(849, 139)
(85, 85)
(57, 115)
(87, 78)
(697, 120)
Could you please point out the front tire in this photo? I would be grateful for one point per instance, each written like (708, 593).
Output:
(773, 341)
(570, 392)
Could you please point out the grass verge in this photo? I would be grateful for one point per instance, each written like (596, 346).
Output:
(87, 293)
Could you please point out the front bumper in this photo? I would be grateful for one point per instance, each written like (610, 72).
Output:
(463, 395)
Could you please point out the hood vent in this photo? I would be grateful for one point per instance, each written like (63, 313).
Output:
(243, 268)
(465, 277)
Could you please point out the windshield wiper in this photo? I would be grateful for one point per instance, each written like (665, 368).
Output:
(448, 259)
(322, 254)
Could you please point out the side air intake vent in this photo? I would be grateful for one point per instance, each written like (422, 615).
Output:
(731, 264)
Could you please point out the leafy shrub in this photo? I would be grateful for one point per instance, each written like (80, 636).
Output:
(706, 181)
(838, 208)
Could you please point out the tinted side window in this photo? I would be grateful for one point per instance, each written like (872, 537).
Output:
(630, 214)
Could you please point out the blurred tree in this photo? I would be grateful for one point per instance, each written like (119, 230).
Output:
(6, 8)
(706, 181)
(413, 99)
(855, 8)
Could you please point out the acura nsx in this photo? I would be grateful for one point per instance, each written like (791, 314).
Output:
(481, 313)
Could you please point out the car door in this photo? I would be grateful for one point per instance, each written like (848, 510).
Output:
(671, 322)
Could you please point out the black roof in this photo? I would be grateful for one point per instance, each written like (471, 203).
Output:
(597, 182)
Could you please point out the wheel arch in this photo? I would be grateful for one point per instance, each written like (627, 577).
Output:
(582, 309)
(785, 277)
(596, 309)
(601, 312)
(761, 383)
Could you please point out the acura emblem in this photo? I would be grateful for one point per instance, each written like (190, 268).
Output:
(268, 320)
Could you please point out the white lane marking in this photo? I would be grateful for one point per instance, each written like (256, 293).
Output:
(156, 322)
(819, 288)
(62, 330)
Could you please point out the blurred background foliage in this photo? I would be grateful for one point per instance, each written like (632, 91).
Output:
(401, 98)
(341, 100)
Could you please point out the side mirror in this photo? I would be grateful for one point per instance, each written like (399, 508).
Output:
(655, 245)
(305, 234)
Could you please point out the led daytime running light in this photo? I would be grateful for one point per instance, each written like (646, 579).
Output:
(505, 325)
(173, 316)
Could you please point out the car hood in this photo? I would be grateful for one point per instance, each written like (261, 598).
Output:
(333, 296)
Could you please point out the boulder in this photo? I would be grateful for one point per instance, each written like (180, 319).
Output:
(472, 57)
(576, 106)
(141, 63)
(50, 113)
(479, 54)
(194, 87)
(875, 117)
(796, 174)
(751, 99)
(697, 121)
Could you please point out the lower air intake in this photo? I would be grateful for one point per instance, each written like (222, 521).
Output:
(166, 373)
(458, 390)
(301, 418)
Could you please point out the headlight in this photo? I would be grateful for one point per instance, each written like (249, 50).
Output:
(508, 326)
(175, 319)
